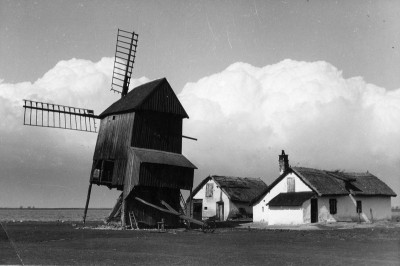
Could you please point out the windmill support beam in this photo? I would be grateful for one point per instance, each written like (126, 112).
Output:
(123, 212)
(87, 202)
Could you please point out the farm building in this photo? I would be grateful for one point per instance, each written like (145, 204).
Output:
(139, 151)
(305, 195)
(225, 197)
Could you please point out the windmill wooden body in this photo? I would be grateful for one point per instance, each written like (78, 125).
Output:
(139, 151)
(139, 145)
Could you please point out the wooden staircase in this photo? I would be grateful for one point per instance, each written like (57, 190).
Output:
(132, 220)
(183, 205)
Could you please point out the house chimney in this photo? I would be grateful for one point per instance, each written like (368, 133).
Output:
(283, 162)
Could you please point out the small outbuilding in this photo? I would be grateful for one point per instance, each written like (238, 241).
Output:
(306, 195)
(225, 197)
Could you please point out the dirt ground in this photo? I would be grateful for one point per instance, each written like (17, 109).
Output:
(62, 243)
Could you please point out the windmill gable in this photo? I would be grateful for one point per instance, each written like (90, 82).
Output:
(157, 96)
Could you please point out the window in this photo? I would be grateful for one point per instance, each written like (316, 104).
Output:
(205, 208)
(96, 174)
(359, 206)
(262, 209)
(209, 190)
(290, 184)
(107, 171)
(332, 206)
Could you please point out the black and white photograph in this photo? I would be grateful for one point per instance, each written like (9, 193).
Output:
(199, 132)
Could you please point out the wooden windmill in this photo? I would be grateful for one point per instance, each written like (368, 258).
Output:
(139, 144)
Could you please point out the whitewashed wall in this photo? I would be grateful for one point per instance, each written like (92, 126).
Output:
(346, 209)
(211, 202)
(285, 215)
(234, 208)
(261, 211)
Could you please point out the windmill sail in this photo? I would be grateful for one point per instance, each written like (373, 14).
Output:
(58, 116)
(125, 53)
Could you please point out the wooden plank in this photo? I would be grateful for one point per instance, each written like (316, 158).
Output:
(117, 207)
(170, 212)
(169, 207)
(87, 202)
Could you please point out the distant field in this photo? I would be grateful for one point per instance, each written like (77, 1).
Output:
(60, 243)
(51, 214)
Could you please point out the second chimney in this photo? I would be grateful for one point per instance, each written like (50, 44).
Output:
(283, 162)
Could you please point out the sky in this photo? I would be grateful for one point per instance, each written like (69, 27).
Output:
(318, 79)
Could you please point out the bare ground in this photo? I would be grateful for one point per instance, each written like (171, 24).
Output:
(327, 244)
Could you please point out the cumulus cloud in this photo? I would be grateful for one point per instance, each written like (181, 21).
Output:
(37, 163)
(245, 115)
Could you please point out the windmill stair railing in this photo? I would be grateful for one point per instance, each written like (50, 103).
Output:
(183, 205)
(132, 220)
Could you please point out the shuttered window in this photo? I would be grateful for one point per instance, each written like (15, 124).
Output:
(332, 206)
(209, 190)
(359, 206)
(290, 184)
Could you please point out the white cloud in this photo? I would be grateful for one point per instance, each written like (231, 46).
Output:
(52, 157)
(244, 115)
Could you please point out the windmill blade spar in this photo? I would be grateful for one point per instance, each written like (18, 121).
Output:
(58, 116)
(125, 54)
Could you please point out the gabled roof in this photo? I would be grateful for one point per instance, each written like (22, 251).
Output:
(326, 183)
(343, 183)
(162, 157)
(240, 189)
(138, 99)
(290, 199)
(321, 181)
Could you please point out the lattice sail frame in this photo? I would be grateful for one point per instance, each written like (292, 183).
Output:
(125, 54)
(59, 116)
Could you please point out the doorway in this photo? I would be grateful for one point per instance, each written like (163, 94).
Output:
(198, 209)
(220, 210)
(314, 210)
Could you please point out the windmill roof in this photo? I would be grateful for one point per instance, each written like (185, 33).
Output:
(290, 199)
(241, 189)
(162, 157)
(138, 96)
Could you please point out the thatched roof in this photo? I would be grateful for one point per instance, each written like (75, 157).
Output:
(239, 189)
(138, 99)
(321, 181)
(342, 183)
(326, 183)
(162, 157)
(290, 199)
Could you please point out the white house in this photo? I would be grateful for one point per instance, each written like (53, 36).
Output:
(225, 197)
(305, 195)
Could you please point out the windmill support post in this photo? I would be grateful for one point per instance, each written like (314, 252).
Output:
(190, 204)
(123, 212)
(87, 202)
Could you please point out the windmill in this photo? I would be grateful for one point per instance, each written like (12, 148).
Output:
(139, 144)
(67, 117)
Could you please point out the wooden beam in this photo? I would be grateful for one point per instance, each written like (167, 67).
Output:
(169, 207)
(87, 202)
(170, 212)
(123, 212)
(154, 206)
(116, 209)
